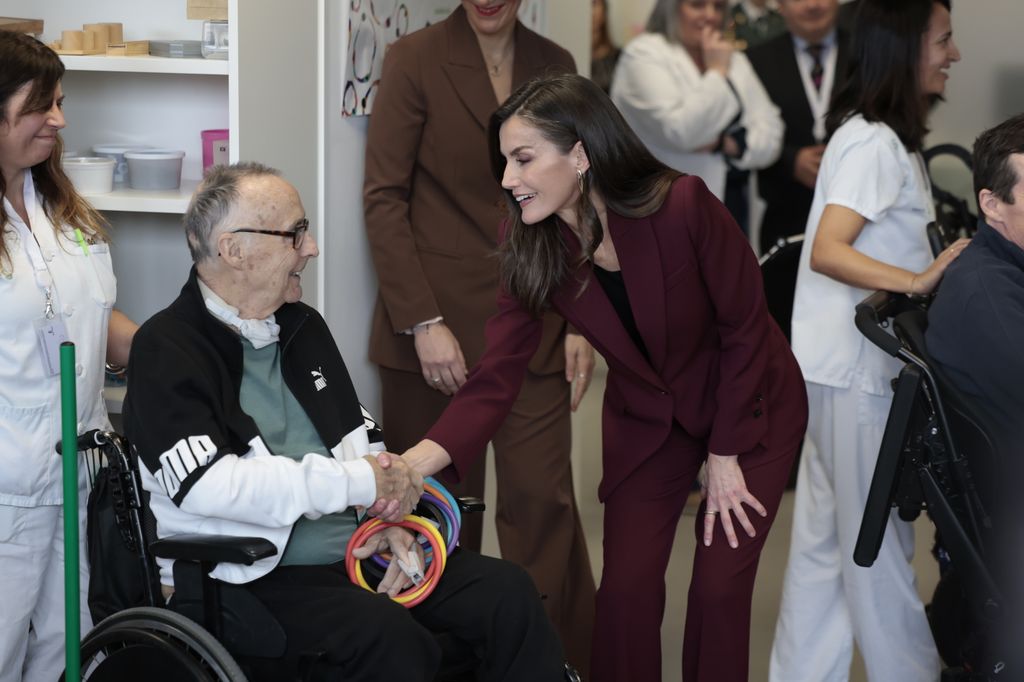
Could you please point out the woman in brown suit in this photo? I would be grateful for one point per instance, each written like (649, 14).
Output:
(432, 214)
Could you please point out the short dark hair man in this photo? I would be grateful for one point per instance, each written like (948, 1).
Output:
(800, 69)
(976, 323)
(247, 424)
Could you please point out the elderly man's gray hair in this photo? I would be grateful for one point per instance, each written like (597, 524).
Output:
(213, 200)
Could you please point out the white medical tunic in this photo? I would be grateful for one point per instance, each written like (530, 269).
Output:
(83, 291)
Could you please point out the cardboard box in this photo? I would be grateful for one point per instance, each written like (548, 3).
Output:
(24, 25)
(208, 9)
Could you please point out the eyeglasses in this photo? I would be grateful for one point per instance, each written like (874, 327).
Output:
(297, 235)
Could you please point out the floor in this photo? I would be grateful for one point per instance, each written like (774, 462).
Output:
(767, 594)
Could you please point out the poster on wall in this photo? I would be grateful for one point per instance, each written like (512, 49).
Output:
(373, 25)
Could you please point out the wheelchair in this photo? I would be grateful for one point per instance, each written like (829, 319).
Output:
(211, 623)
(938, 454)
(953, 215)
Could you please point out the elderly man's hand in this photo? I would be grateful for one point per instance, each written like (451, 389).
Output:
(403, 548)
(398, 487)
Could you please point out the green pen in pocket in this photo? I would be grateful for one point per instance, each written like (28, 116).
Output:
(81, 241)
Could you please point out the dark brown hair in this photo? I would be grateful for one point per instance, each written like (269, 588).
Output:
(567, 109)
(883, 81)
(25, 60)
(991, 159)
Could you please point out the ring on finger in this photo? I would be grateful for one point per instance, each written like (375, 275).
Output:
(710, 513)
(436, 380)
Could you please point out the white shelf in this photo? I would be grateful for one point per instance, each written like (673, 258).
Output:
(146, 64)
(114, 397)
(145, 201)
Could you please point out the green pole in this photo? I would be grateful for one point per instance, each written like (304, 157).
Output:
(69, 455)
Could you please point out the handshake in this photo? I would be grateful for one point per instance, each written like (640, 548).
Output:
(399, 487)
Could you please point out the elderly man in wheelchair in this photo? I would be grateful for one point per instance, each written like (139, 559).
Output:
(246, 423)
(954, 435)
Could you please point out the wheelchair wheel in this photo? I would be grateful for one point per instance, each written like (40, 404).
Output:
(156, 645)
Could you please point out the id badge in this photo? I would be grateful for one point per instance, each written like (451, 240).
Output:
(50, 334)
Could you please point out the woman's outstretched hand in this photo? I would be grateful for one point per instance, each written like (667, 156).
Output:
(725, 491)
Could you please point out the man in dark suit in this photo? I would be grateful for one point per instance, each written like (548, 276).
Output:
(800, 69)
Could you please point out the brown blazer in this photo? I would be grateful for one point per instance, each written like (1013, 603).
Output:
(431, 203)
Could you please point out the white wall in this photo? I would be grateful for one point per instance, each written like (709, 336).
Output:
(349, 278)
(987, 85)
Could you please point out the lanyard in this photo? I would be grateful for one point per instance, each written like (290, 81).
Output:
(40, 270)
(817, 99)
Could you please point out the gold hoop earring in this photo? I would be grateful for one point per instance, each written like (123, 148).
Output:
(579, 179)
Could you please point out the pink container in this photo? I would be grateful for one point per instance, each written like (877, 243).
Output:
(215, 148)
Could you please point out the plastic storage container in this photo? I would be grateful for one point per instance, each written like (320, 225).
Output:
(215, 39)
(90, 174)
(215, 148)
(116, 152)
(154, 168)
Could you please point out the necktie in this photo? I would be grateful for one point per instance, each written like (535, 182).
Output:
(818, 70)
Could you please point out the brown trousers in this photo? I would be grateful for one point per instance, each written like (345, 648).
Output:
(537, 521)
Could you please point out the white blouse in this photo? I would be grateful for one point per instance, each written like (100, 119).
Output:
(677, 110)
(868, 170)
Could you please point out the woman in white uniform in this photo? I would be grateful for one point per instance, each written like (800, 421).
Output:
(695, 102)
(56, 282)
(866, 231)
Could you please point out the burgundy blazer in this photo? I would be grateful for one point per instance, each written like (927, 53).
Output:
(719, 365)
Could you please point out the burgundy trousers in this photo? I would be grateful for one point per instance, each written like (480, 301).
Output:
(640, 519)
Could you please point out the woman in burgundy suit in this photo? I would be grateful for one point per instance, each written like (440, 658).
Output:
(651, 268)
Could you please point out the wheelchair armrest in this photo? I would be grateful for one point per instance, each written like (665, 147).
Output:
(470, 504)
(214, 549)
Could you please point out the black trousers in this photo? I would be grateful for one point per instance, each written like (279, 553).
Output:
(490, 604)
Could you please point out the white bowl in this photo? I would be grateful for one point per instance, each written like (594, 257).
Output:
(90, 174)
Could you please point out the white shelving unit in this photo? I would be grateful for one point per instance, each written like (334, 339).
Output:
(146, 64)
(124, 198)
(268, 94)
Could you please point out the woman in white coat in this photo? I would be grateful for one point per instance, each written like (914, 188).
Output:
(56, 282)
(865, 231)
(696, 102)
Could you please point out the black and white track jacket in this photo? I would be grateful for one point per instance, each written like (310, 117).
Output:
(205, 464)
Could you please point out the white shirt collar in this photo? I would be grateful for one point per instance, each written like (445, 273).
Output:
(28, 194)
(827, 43)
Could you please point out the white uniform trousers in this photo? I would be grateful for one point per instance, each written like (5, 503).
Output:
(32, 592)
(828, 600)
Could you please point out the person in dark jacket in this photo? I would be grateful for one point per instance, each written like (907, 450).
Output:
(980, 305)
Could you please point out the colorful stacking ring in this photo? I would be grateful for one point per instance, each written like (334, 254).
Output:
(438, 535)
